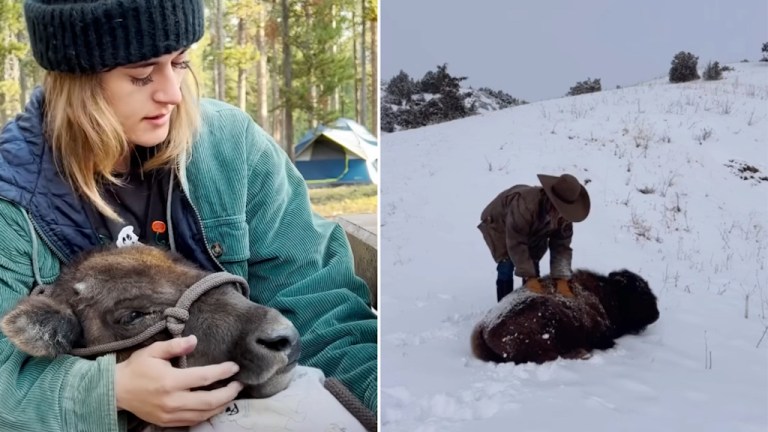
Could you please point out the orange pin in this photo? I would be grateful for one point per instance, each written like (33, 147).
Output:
(158, 227)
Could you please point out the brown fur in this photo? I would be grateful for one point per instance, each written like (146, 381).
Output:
(537, 327)
(115, 294)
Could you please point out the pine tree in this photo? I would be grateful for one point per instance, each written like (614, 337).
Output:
(684, 68)
(400, 88)
(713, 71)
(584, 87)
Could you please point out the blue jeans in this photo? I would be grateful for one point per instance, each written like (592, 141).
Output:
(505, 270)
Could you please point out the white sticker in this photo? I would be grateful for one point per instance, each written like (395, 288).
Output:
(127, 237)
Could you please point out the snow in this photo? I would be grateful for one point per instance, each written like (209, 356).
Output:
(699, 235)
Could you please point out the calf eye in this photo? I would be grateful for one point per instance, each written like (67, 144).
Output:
(132, 317)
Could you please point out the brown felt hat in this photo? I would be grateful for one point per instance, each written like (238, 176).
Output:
(568, 196)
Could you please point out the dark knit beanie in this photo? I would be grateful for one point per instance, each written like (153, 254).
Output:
(86, 36)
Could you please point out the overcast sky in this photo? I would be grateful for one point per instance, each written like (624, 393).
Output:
(538, 49)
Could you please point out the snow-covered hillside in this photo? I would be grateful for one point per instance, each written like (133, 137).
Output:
(678, 177)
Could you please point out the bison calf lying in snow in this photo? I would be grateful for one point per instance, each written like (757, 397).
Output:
(529, 326)
(116, 294)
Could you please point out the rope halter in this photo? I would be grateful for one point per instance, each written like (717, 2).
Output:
(175, 317)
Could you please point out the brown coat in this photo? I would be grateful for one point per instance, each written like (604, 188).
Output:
(517, 225)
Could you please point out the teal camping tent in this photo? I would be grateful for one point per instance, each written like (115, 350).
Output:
(343, 152)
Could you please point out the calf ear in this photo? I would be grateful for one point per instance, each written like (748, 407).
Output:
(41, 327)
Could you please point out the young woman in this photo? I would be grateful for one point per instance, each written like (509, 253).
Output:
(116, 148)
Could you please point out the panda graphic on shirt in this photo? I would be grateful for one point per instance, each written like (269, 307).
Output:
(127, 237)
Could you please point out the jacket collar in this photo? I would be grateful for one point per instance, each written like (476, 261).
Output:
(30, 179)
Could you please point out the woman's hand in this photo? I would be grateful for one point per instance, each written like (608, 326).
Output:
(151, 388)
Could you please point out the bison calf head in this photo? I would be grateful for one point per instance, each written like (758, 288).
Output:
(116, 294)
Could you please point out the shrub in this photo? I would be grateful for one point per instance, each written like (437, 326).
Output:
(505, 99)
(584, 87)
(713, 72)
(388, 119)
(440, 81)
(684, 68)
(401, 88)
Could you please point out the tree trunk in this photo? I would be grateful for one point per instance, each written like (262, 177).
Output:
(262, 74)
(242, 72)
(312, 115)
(278, 120)
(10, 103)
(23, 79)
(334, 102)
(277, 114)
(313, 107)
(374, 78)
(354, 62)
(24, 88)
(288, 82)
(219, 70)
(363, 77)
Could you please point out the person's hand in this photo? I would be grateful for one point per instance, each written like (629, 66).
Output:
(534, 285)
(563, 288)
(147, 385)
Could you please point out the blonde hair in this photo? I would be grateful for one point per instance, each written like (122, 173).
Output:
(88, 140)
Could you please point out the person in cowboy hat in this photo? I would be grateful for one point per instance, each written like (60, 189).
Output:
(523, 221)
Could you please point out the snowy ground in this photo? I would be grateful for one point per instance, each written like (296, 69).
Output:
(699, 235)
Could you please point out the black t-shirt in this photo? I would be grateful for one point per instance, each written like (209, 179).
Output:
(140, 201)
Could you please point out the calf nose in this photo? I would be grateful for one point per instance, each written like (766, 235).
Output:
(295, 353)
(284, 339)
